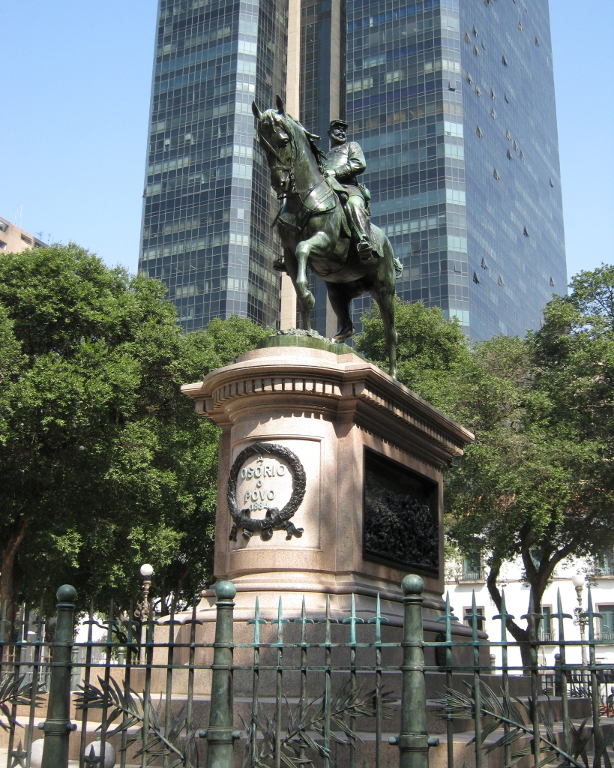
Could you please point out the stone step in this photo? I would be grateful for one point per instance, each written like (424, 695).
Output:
(464, 753)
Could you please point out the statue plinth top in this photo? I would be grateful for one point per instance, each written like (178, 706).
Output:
(297, 337)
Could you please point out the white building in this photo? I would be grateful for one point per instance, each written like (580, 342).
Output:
(468, 576)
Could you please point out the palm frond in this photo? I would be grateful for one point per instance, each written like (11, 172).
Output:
(305, 721)
(517, 716)
(178, 745)
(14, 691)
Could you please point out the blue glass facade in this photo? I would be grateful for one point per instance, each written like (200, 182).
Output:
(454, 109)
(515, 237)
(208, 205)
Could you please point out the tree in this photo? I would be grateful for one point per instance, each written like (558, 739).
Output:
(432, 352)
(538, 483)
(104, 463)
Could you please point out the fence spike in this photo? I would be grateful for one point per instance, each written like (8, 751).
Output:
(448, 617)
(591, 615)
(256, 621)
(559, 616)
(280, 621)
(503, 615)
(352, 619)
(378, 619)
(304, 620)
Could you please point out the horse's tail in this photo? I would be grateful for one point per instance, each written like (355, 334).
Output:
(384, 248)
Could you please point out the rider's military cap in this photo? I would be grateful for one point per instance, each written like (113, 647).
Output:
(333, 123)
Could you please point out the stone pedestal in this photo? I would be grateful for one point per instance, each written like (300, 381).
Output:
(369, 497)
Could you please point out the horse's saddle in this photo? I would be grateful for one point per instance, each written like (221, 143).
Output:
(321, 199)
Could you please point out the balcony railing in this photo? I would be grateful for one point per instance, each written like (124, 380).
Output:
(603, 570)
(473, 574)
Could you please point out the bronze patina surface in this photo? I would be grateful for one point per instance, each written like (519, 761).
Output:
(323, 225)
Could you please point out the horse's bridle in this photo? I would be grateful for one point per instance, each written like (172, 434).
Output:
(287, 168)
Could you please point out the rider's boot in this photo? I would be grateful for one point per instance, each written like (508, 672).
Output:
(364, 249)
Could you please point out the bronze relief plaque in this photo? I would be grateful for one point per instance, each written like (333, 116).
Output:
(400, 516)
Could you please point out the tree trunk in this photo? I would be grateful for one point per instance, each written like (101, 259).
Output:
(538, 578)
(8, 582)
(520, 635)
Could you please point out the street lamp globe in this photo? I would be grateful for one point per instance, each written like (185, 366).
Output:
(577, 580)
(147, 571)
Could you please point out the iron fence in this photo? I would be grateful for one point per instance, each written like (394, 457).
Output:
(183, 691)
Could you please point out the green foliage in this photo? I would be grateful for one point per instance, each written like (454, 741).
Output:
(431, 351)
(15, 691)
(221, 343)
(141, 720)
(538, 482)
(502, 710)
(298, 747)
(105, 465)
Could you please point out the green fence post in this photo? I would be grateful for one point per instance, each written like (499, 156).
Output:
(413, 741)
(57, 726)
(220, 736)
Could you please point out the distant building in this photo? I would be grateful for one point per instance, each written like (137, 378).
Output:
(14, 240)
(453, 104)
(466, 578)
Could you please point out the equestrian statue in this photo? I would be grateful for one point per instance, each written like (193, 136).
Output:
(323, 222)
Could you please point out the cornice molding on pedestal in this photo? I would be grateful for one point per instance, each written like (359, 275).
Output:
(341, 387)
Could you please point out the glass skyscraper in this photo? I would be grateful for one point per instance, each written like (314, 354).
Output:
(453, 105)
(208, 204)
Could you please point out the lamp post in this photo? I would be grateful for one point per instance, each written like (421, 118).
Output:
(142, 610)
(146, 572)
(578, 581)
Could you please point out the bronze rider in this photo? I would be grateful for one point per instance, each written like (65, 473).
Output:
(345, 162)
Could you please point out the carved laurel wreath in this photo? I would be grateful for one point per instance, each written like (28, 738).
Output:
(275, 519)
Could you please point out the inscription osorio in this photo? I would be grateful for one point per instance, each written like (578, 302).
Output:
(267, 482)
(266, 486)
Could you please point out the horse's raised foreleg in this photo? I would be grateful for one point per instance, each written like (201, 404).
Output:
(318, 245)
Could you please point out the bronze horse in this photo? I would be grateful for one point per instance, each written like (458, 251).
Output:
(314, 232)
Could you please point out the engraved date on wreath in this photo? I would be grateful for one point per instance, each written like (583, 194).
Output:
(259, 498)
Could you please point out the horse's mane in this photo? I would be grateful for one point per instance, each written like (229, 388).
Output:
(317, 152)
(311, 139)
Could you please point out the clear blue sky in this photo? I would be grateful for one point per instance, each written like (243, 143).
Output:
(75, 80)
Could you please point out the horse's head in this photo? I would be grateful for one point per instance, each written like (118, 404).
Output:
(277, 142)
